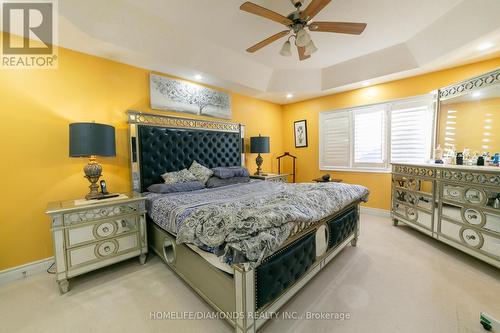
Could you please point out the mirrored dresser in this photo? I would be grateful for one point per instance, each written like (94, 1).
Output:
(458, 205)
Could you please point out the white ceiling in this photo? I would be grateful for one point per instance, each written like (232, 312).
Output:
(209, 37)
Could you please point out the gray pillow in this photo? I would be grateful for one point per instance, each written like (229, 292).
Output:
(214, 182)
(178, 177)
(229, 172)
(177, 187)
(201, 172)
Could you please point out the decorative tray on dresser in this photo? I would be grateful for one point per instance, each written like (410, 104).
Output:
(98, 233)
(458, 205)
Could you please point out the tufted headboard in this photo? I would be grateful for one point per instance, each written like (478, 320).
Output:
(162, 144)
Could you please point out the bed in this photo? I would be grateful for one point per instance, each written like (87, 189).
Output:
(282, 234)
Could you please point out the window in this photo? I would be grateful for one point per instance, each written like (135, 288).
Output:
(372, 137)
(369, 137)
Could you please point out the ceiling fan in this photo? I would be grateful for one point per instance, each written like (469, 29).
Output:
(296, 22)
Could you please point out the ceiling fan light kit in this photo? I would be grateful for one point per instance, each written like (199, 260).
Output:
(296, 22)
(310, 48)
(302, 38)
(286, 49)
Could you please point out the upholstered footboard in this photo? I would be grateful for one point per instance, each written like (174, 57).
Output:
(249, 294)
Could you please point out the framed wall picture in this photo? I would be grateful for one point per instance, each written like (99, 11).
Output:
(300, 129)
(187, 97)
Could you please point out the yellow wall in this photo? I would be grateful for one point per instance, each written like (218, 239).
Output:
(38, 105)
(378, 183)
(475, 125)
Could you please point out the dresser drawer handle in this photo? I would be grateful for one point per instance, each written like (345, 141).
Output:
(106, 248)
(105, 229)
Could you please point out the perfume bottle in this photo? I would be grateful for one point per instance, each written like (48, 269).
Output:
(438, 154)
(496, 159)
(496, 203)
(466, 155)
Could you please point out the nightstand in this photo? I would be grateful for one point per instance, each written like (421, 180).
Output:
(272, 177)
(88, 235)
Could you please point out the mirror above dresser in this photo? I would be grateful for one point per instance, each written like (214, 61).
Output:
(469, 119)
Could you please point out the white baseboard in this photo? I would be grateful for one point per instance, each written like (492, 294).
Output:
(23, 271)
(375, 211)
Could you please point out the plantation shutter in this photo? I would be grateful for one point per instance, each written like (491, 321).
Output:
(370, 137)
(335, 139)
(411, 132)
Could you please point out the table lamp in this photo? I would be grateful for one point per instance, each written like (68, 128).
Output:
(259, 145)
(91, 140)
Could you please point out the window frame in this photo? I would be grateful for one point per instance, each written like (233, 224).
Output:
(388, 106)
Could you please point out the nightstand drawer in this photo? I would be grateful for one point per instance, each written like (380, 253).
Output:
(277, 180)
(272, 177)
(88, 215)
(99, 230)
(88, 254)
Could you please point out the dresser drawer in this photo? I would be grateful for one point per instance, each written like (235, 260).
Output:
(89, 215)
(413, 215)
(104, 249)
(482, 242)
(411, 198)
(472, 195)
(99, 230)
(472, 216)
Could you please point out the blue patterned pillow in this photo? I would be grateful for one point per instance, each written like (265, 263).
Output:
(230, 172)
(177, 187)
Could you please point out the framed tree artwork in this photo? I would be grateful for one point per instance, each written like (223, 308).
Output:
(187, 97)
(300, 129)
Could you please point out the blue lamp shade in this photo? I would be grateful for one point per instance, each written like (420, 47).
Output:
(259, 144)
(91, 139)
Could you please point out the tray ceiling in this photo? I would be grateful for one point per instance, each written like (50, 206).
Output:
(207, 37)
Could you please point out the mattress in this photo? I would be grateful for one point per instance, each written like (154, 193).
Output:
(244, 223)
(212, 259)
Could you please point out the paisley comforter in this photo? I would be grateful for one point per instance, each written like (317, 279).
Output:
(244, 223)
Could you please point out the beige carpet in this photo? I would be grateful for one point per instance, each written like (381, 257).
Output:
(396, 280)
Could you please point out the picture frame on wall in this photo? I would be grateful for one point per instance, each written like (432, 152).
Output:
(169, 94)
(300, 131)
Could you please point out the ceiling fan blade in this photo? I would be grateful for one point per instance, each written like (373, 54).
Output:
(314, 8)
(264, 12)
(268, 41)
(338, 27)
(302, 56)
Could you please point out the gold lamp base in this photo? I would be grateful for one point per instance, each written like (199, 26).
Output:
(93, 172)
(259, 160)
